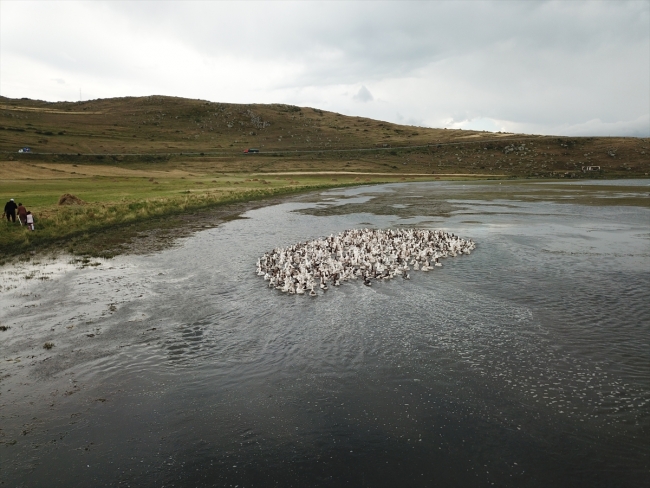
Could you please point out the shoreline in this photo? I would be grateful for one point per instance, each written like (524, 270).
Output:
(147, 224)
(156, 232)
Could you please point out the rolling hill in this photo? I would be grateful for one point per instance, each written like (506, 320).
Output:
(168, 129)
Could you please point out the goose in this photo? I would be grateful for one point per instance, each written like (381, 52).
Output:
(352, 254)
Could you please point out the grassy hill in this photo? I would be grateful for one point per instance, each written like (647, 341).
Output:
(168, 129)
(164, 125)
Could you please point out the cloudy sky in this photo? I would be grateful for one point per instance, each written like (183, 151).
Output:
(561, 67)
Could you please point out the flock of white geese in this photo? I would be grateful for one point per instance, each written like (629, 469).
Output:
(365, 254)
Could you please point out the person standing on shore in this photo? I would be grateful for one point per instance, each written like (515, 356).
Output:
(29, 218)
(10, 210)
(22, 214)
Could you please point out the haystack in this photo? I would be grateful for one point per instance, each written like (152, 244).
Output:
(68, 199)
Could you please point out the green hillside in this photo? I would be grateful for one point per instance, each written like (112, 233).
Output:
(158, 128)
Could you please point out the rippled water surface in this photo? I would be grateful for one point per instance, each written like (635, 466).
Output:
(526, 363)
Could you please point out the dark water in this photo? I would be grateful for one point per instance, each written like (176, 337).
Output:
(526, 363)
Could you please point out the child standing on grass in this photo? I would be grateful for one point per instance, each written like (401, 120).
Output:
(30, 220)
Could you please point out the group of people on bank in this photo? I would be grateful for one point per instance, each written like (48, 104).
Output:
(25, 217)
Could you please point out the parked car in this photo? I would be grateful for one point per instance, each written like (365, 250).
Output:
(24, 150)
(251, 151)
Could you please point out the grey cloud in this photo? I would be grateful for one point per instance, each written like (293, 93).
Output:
(363, 95)
(340, 42)
(543, 65)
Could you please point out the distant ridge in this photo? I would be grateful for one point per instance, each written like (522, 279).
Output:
(146, 128)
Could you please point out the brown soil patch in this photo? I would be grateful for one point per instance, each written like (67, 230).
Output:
(107, 170)
(18, 170)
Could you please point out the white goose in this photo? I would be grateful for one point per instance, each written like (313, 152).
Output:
(353, 254)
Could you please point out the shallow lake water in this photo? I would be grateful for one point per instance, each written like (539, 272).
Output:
(526, 363)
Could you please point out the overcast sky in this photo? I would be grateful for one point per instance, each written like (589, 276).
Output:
(567, 67)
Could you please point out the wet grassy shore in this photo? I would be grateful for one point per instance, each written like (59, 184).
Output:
(124, 209)
(131, 210)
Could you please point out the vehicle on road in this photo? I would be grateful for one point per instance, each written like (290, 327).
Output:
(251, 151)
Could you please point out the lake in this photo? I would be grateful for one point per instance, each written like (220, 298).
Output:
(526, 363)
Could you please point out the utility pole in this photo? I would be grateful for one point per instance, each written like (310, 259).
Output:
(79, 93)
